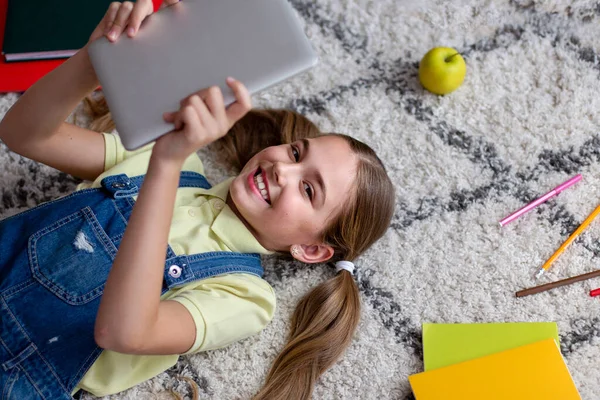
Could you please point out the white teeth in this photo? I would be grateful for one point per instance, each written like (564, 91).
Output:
(261, 186)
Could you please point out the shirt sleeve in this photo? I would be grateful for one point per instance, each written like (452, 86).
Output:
(227, 308)
(115, 152)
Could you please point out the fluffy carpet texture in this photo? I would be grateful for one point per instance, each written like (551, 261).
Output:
(526, 119)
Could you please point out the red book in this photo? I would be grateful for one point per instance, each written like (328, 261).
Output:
(19, 76)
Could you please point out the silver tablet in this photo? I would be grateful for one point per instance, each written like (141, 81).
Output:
(192, 45)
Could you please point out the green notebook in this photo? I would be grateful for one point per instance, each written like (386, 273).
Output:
(448, 344)
(44, 29)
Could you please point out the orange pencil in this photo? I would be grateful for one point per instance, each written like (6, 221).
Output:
(562, 248)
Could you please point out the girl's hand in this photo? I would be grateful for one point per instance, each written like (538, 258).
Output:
(126, 16)
(201, 120)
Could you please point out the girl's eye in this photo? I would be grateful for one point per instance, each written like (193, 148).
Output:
(295, 153)
(308, 190)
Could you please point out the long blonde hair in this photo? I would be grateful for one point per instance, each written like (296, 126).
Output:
(325, 319)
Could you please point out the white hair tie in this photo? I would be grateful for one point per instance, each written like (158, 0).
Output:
(347, 265)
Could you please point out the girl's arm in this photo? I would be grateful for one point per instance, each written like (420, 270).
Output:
(131, 317)
(34, 127)
(131, 314)
(42, 109)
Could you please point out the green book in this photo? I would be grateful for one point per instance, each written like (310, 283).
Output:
(448, 344)
(45, 29)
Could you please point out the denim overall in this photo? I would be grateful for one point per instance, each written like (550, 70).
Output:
(54, 261)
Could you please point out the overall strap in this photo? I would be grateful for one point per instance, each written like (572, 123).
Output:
(187, 268)
(184, 268)
(123, 186)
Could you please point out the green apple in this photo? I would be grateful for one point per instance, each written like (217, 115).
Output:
(442, 70)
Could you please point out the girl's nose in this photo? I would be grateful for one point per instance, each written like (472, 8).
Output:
(283, 171)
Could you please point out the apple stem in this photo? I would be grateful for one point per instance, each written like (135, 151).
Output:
(450, 57)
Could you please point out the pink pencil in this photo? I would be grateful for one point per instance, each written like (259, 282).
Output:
(542, 199)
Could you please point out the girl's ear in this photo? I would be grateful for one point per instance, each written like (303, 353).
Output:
(314, 253)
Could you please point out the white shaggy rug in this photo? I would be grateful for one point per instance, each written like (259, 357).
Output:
(526, 119)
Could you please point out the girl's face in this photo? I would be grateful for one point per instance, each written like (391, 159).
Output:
(287, 194)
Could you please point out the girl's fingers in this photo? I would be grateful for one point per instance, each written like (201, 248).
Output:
(169, 116)
(203, 113)
(242, 104)
(141, 10)
(209, 109)
(214, 102)
(120, 21)
(121, 16)
(177, 121)
(190, 118)
(175, 118)
(106, 22)
(110, 16)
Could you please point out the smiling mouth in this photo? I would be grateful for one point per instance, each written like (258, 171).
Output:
(259, 181)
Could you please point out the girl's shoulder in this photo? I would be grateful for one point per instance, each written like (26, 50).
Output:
(241, 285)
(226, 308)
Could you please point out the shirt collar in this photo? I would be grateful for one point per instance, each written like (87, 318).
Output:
(230, 229)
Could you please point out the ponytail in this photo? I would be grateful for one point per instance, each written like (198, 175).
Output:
(322, 327)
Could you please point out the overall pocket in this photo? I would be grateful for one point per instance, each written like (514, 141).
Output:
(72, 257)
(18, 387)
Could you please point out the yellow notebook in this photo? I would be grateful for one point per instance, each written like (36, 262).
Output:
(448, 344)
(536, 371)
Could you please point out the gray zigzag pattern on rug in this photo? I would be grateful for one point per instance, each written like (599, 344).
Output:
(459, 201)
(350, 41)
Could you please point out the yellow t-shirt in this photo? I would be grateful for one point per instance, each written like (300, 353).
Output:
(225, 308)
